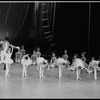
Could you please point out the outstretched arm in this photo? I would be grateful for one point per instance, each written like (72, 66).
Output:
(15, 46)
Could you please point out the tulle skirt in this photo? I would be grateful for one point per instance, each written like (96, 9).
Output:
(10, 61)
(26, 62)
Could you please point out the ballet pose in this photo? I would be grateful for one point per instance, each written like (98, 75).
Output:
(25, 61)
(61, 63)
(5, 47)
(8, 61)
(94, 66)
(41, 64)
(78, 65)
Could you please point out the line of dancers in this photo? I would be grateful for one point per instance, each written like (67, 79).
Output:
(78, 64)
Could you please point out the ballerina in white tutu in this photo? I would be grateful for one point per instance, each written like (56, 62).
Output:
(94, 66)
(8, 61)
(25, 61)
(78, 65)
(41, 64)
(61, 63)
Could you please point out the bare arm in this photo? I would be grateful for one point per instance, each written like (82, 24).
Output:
(15, 46)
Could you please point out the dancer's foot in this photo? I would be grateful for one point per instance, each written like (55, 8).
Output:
(61, 77)
(78, 78)
(26, 75)
(95, 78)
(43, 76)
(7, 75)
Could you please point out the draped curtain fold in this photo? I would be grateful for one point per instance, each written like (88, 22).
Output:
(16, 19)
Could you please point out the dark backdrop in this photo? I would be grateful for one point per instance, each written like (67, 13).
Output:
(72, 28)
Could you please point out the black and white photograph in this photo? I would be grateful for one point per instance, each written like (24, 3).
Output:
(49, 49)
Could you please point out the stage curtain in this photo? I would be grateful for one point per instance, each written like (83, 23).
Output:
(18, 20)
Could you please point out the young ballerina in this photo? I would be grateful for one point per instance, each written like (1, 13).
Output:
(52, 61)
(61, 63)
(78, 65)
(38, 53)
(22, 51)
(41, 64)
(18, 56)
(33, 57)
(25, 61)
(5, 46)
(7, 60)
(65, 57)
(94, 64)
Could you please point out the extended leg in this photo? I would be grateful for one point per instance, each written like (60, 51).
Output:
(95, 73)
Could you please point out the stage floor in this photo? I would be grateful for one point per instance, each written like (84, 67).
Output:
(49, 87)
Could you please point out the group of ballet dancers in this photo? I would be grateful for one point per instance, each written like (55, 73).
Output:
(36, 60)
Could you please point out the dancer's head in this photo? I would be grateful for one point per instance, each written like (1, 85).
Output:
(76, 55)
(38, 49)
(53, 54)
(65, 51)
(93, 58)
(18, 50)
(22, 47)
(34, 51)
(9, 50)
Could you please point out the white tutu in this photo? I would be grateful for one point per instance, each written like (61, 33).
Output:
(26, 61)
(40, 60)
(10, 61)
(78, 62)
(61, 61)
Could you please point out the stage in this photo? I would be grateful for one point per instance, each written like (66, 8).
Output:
(49, 87)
